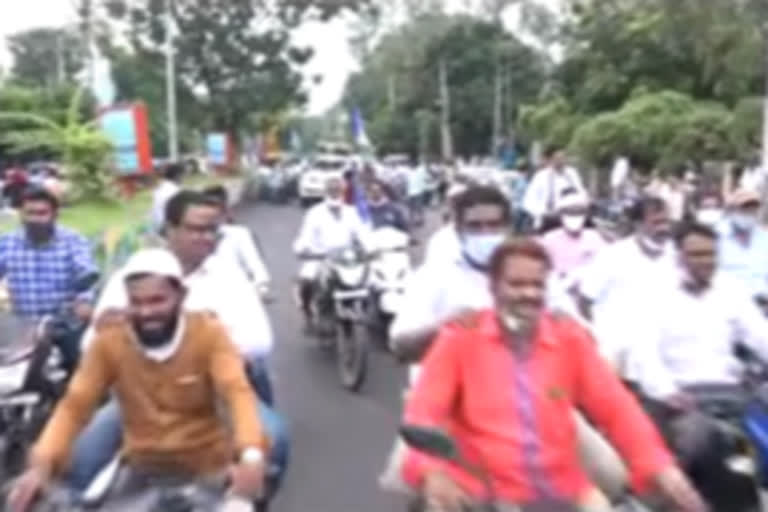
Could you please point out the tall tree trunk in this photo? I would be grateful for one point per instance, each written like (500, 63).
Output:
(445, 113)
(498, 105)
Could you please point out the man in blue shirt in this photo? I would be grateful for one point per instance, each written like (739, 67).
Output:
(743, 243)
(43, 263)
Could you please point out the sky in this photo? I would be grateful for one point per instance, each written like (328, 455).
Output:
(333, 59)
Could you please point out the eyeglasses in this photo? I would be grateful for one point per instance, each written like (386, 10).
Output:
(212, 230)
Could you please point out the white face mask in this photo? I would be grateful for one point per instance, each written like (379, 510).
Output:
(709, 216)
(480, 248)
(743, 221)
(510, 322)
(333, 202)
(573, 223)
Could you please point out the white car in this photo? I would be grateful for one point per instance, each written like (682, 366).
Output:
(312, 181)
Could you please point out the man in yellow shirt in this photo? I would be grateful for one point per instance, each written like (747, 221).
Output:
(168, 369)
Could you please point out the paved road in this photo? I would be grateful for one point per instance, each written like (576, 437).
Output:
(340, 440)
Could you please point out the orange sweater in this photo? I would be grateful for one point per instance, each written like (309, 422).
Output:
(169, 409)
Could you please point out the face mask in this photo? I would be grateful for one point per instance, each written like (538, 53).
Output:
(573, 223)
(334, 203)
(709, 216)
(480, 248)
(743, 221)
(510, 321)
(39, 231)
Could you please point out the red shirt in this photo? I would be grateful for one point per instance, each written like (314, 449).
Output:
(514, 415)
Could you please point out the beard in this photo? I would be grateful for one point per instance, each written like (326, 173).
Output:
(157, 337)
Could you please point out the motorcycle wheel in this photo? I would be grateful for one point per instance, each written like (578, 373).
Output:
(351, 355)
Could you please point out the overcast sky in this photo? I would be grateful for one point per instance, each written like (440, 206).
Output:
(332, 59)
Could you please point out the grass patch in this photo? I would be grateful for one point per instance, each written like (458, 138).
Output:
(91, 217)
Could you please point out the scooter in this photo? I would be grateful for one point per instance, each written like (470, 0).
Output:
(390, 269)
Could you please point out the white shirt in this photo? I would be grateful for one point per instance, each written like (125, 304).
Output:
(218, 287)
(444, 244)
(237, 243)
(689, 339)
(620, 282)
(545, 189)
(323, 232)
(163, 193)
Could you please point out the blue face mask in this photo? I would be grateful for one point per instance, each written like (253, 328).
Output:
(479, 248)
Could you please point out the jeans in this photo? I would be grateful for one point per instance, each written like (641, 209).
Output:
(100, 442)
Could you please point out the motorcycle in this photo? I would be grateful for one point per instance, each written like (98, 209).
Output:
(735, 474)
(437, 444)
(340, 310)
(122, 490)
(32, 378)
(389, 271)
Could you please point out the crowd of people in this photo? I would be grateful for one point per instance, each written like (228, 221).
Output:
(559, 360)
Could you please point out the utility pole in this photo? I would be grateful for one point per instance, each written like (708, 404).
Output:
(86, 12)
(392, 92)
(170, 77)
(445, 113)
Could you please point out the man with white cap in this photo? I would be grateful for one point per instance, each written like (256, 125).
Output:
(213, 285)
(573, 245)
(169, 369)
(743, 243)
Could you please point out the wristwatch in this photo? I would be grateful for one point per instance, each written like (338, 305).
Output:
(252, 456)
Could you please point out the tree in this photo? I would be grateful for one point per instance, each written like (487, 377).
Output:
(46, 56)
(708, 50)
(80, 146)
(400, 79)
(238, 53)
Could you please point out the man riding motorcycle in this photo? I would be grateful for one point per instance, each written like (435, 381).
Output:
(43, 263)
(213, 284)
(689, 335)
(328, 226)
(168, 369)
(383, 211)
(523, 434)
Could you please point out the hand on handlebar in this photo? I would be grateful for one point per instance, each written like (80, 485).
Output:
(674, 486)
(247, 480)
(681, 401)
(27, 488)
(443, 494)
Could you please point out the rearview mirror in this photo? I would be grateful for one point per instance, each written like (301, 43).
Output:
(87, 282)
(431, 441)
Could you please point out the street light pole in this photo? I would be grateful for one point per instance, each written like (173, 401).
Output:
(170, 75)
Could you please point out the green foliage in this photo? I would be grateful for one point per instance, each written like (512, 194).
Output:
(46, 56)
(663, 130)
(238, 53)
(397, 90)
(78, 144)
(551, 122)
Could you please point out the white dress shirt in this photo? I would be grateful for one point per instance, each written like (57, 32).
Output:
(238, 245)
(689, 339)
(323, 231)
(443, 244)
(218, 287)
(163, 193)
(545, 189)
(620, 282)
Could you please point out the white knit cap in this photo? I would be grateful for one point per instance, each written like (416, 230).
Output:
(159, 262)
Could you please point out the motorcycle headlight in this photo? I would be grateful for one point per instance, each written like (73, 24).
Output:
(12, 376)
